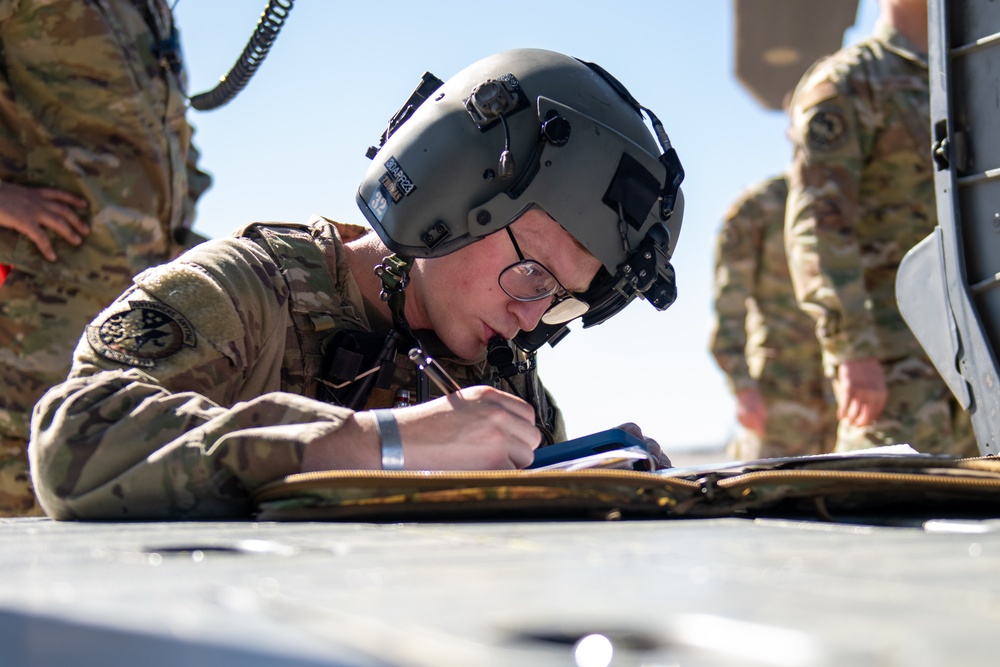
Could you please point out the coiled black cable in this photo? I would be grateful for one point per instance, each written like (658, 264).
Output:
(271, 21)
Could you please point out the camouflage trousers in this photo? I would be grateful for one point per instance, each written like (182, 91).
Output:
(801, 413)
(921, 412)
(40, 324)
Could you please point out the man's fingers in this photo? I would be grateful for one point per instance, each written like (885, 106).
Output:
(512, 404)
(59, 225)
(521, 457)
(863, 416)
(31, 211)
(68, 217)
(852, 411)
(63, 196)
(867, 409)
(37, 236)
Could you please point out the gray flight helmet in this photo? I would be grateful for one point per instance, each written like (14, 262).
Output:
(530, 128)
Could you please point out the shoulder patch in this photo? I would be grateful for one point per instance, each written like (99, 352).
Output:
(827, 130)
(141, 334)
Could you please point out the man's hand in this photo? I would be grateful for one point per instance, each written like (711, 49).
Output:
(477, 428)
(861, 391)
(655, 452)
(30, 211)
(751, 410)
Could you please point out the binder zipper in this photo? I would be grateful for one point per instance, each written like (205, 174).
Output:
(751, 479)
(322, 479)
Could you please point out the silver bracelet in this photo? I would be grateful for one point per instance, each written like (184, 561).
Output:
(392, 444)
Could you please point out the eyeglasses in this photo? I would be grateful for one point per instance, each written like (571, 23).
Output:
(527, 280)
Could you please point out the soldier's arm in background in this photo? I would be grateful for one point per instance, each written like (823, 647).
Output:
(831, 137)
(737, 259)
(147, 435)
(30, 211)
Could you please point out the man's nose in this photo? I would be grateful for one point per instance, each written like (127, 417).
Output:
(529, 313)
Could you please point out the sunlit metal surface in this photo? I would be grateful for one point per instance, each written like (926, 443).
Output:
(705, 592)
(777, 40)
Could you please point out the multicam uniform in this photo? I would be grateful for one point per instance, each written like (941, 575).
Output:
(86, 106)
(761, 339)
(196, 386)
(861, 195)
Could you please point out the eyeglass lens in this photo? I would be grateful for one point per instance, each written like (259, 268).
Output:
(528, 280)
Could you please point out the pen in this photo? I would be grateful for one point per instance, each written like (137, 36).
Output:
(433, 369)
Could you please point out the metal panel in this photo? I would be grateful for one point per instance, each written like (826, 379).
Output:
(965, 105)
(776, 40)
(765, 593)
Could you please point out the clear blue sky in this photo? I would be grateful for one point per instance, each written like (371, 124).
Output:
(293, 144)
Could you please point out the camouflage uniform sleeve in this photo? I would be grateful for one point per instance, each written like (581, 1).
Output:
(187, 423)
(13, 159)
(737, 258)
(831, 132)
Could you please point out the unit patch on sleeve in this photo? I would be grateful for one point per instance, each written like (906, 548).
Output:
(142, 334)
(827, 130)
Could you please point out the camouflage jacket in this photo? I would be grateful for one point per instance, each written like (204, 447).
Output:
(196, 386)
(756, 315)
(88, 106)
(861, 192)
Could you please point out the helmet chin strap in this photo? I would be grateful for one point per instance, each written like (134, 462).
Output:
(394, 274)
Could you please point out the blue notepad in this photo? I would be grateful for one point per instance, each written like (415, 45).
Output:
(605, 443)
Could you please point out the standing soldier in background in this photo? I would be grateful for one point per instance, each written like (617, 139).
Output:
(861, 195)
(98, 183)
(761, 339)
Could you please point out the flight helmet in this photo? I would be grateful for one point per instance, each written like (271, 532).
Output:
(532, 128)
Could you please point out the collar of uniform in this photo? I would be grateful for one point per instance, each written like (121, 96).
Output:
(895, 41)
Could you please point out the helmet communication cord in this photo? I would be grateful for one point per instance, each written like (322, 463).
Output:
(394, 272)
(266, 32)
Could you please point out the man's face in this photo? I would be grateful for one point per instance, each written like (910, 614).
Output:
(458, 295)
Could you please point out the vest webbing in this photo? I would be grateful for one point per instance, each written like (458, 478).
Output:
(313, 300)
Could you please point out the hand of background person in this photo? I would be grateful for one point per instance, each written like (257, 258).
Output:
(655, 451)
(476, 428)
(30, 211)
(861, 391)
(751, 410)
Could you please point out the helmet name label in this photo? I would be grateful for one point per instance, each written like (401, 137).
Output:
(396, 182)
(378, 203)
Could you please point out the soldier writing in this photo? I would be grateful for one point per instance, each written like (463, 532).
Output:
(524, 192)
(98, 181)
(861, 194)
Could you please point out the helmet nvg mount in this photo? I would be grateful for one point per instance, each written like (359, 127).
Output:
(524, 128)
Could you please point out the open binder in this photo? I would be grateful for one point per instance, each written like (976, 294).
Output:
(829, 486)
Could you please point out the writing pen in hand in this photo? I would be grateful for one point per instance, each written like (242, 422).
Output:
(432, 368)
